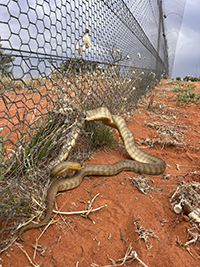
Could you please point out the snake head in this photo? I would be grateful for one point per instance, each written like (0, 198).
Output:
(65, 166)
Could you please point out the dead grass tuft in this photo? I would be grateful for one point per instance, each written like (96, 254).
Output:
(143, 184)
(144, 234)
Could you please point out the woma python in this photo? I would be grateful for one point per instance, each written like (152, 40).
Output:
(142, 163)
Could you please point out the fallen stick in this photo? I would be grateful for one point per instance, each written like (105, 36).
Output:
(77, 212)
(82, 212)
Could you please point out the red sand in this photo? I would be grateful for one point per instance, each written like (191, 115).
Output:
(85, 242)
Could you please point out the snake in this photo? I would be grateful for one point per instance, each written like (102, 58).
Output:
(141, 163)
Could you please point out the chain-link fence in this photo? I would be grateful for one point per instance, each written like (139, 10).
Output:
(57, 60)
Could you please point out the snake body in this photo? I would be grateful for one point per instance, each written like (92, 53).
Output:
(142, 163)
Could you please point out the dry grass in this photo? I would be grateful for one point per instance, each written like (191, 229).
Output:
(28, 84)
(142, 183)
(129, 257)
(188, 195)
(144, 234)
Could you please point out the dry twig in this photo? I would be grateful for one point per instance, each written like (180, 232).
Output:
(144, 234)
(187, 192)
(129, 257)
(84, 213)
(142, 184)
(31, 262)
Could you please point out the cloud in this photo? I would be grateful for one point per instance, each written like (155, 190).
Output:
(187, 58)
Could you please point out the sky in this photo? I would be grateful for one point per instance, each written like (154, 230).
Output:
(187, 56)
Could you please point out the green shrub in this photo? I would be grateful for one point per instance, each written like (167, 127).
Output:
(99, 135)
(186, 94)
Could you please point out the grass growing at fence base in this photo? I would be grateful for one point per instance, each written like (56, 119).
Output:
(99, 135)
(25, 164)
(32, 153)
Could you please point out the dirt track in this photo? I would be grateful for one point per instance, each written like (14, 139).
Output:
(174, 131)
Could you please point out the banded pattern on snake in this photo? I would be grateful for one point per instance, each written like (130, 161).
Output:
(142, 163)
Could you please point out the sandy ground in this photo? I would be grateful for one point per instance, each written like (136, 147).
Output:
(77, 241)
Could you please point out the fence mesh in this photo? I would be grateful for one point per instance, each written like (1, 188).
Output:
(57, 60)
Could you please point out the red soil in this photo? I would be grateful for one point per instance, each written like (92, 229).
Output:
(76, 241)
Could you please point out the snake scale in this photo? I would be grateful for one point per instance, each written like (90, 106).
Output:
(142, 163)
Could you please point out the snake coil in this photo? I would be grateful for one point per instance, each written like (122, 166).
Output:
(142, 163)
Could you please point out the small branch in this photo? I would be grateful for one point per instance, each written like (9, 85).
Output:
(77, 212)
(31, 262)
(129, 257)
(9, 245)
(99, 183)
(83, 212)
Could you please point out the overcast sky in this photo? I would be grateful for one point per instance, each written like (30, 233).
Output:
(187, 56)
